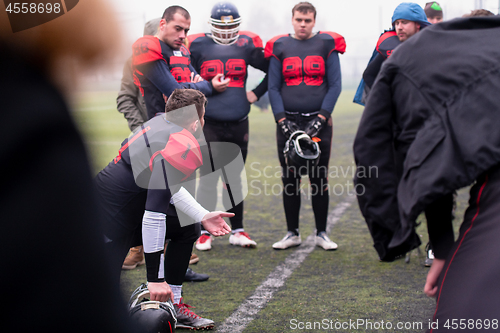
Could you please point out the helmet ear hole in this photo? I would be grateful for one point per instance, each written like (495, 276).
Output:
(225, 23)
(301, 153)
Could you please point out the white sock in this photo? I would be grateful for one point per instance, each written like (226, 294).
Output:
(237, 230)
(177, 290)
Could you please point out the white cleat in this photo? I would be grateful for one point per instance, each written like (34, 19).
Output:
(323, 241)
(289, 240)
(204, 243)
(242, 239)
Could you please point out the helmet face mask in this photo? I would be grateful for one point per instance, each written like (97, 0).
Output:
(225, 23)
(301, 153)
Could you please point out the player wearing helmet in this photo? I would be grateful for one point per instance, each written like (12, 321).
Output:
(304, 84)
(227, 51)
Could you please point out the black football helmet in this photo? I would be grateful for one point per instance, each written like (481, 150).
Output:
(225, 23)
(151, 316)
(301, 152)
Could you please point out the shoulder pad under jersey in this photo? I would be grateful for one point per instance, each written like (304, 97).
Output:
(257, 42)
(192, 38)
(334, 41)
(146, 49)
(270, 50)
(183, 152)
(387, 43)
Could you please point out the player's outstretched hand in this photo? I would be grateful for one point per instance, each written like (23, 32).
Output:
(219, 83)
(214, 223)
(430, 288)
(160, 291)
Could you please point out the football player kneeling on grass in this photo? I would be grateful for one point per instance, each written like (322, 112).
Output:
(142, 184)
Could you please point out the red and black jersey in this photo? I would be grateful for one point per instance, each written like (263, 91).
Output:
(387, 43)
(152, 164)
(305, 82)
(210, 59)
(158, 138)
(159, 70)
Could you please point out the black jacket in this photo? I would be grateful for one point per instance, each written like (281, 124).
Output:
(430, 126)
(55, 271)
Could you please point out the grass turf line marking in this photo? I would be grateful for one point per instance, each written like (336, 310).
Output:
(247, 311)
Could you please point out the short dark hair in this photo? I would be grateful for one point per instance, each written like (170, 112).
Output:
(181, 98)
(479, 13)
(304, 8)
(168, 14)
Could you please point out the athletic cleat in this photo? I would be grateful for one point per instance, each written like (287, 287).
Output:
(288, 241)
(242, 239)
(430, 255)
(192, 276)
(323, 241)
(194, 259)
(204, 243)
(135, 257)
(188, 319)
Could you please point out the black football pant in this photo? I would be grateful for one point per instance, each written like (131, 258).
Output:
(469, 285)
(122, 205)
(234, 132)
(318, 177)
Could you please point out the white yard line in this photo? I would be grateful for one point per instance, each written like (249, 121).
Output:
(247, 311)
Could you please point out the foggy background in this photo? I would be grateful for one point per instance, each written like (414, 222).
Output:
(359, 21)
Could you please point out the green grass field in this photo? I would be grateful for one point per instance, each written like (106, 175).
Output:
(327, 287)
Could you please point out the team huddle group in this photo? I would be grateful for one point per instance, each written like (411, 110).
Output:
(182, 94)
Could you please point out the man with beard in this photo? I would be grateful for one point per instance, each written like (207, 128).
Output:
(444, 122)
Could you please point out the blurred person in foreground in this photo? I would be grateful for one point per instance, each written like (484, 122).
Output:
(445, 123)
(56, 272)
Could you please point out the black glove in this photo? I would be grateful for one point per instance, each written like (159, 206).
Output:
(288, 127)
(314, 126)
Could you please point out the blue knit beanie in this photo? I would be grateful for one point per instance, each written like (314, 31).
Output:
(412, 12)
